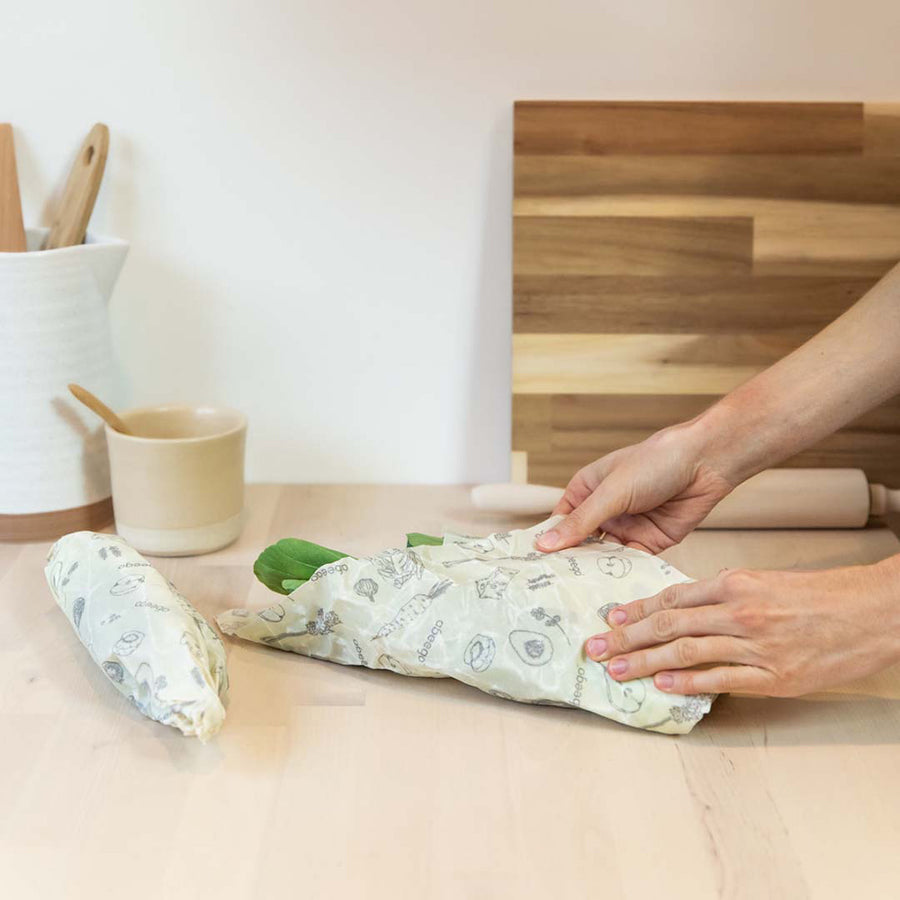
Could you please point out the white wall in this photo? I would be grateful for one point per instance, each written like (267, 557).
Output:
(318, 193)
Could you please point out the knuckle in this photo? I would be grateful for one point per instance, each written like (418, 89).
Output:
(686, 652)
(751, 616)
(746, 615)
(733, 582)
(669, 597)
(622, 641)
(726, 681)
(663, 625)
(635, 610)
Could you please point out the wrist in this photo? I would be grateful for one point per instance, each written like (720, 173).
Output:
(885, 585)
(725, 441)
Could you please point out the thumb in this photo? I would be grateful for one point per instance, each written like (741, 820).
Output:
(599, 507)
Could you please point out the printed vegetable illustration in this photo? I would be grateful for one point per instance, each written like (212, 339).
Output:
(126, 585)
(476, 545)
(694, 708)
(412, 609)
(479, 654)
(114, 670)
(323, 623)
(614, 565)
(627, 696)
(532, 648)
(386, 661)
(494, 586)
(366, 587)
(606, 609)
(398, 566)
(77, 612)
(128, 643)
(273, 613)
(550, 621)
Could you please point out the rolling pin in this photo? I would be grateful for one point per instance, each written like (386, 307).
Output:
(775, 498)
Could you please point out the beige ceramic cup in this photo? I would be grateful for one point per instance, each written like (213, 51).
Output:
(178, 480)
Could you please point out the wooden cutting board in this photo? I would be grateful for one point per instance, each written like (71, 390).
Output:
(665, 252)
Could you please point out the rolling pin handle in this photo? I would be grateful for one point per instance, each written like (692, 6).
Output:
(883, 500)
(517, 499)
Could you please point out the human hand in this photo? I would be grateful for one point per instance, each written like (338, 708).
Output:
(649, 495)
(776, 633)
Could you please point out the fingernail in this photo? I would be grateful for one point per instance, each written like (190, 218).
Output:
(550, 541)
(664, 681)
(618, 617)
(618, 666)
(596, 647)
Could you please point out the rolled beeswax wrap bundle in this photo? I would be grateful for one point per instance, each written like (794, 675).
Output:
(154, 647)
(491, 612)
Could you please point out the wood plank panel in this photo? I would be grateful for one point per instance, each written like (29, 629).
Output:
(640, 363)
(585, 127)
(627, 319)
(788, 235)
(876, 455)
(882, 129)
(829, 179)
(680, 304)
(649, 246)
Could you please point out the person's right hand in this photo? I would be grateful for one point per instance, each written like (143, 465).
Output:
(649, 495)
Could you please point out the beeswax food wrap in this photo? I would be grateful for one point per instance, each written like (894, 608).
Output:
(491, 612)
(153, 646)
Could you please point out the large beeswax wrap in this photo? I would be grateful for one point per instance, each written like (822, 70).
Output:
(491, 612)
(153, 646)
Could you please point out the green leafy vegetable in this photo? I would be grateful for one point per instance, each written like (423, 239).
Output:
(415, 539)
(291, 562)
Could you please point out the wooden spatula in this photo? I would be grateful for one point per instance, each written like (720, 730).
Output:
(74, 213)
(12, 232)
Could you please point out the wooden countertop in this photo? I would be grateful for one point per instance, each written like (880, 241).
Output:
(340, 782)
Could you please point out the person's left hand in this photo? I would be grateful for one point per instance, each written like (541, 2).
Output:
(774, 633)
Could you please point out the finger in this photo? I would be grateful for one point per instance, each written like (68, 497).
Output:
(576, 492)
(637, 545)
(583, 520)
(720, 680)
(660, 628)
(683, 653)
(675, 596)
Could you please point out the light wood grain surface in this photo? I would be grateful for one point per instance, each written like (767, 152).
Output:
(333, 782)
(12, 231)
(663, 253)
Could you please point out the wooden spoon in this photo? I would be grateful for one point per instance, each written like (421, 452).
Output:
(77, 204)
(98, 406)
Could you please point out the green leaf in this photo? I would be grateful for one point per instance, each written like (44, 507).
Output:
(415, 539)
(291, 584)
(292, 560)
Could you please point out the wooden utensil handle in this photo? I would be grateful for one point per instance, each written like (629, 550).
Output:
(95, 404)
(12, 231)
(74, 213)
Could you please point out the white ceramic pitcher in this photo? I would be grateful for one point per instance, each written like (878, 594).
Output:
(54, 329)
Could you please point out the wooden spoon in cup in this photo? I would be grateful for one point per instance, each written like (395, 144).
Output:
(95, 404)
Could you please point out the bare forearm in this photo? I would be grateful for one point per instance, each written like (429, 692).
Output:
(846, 369)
